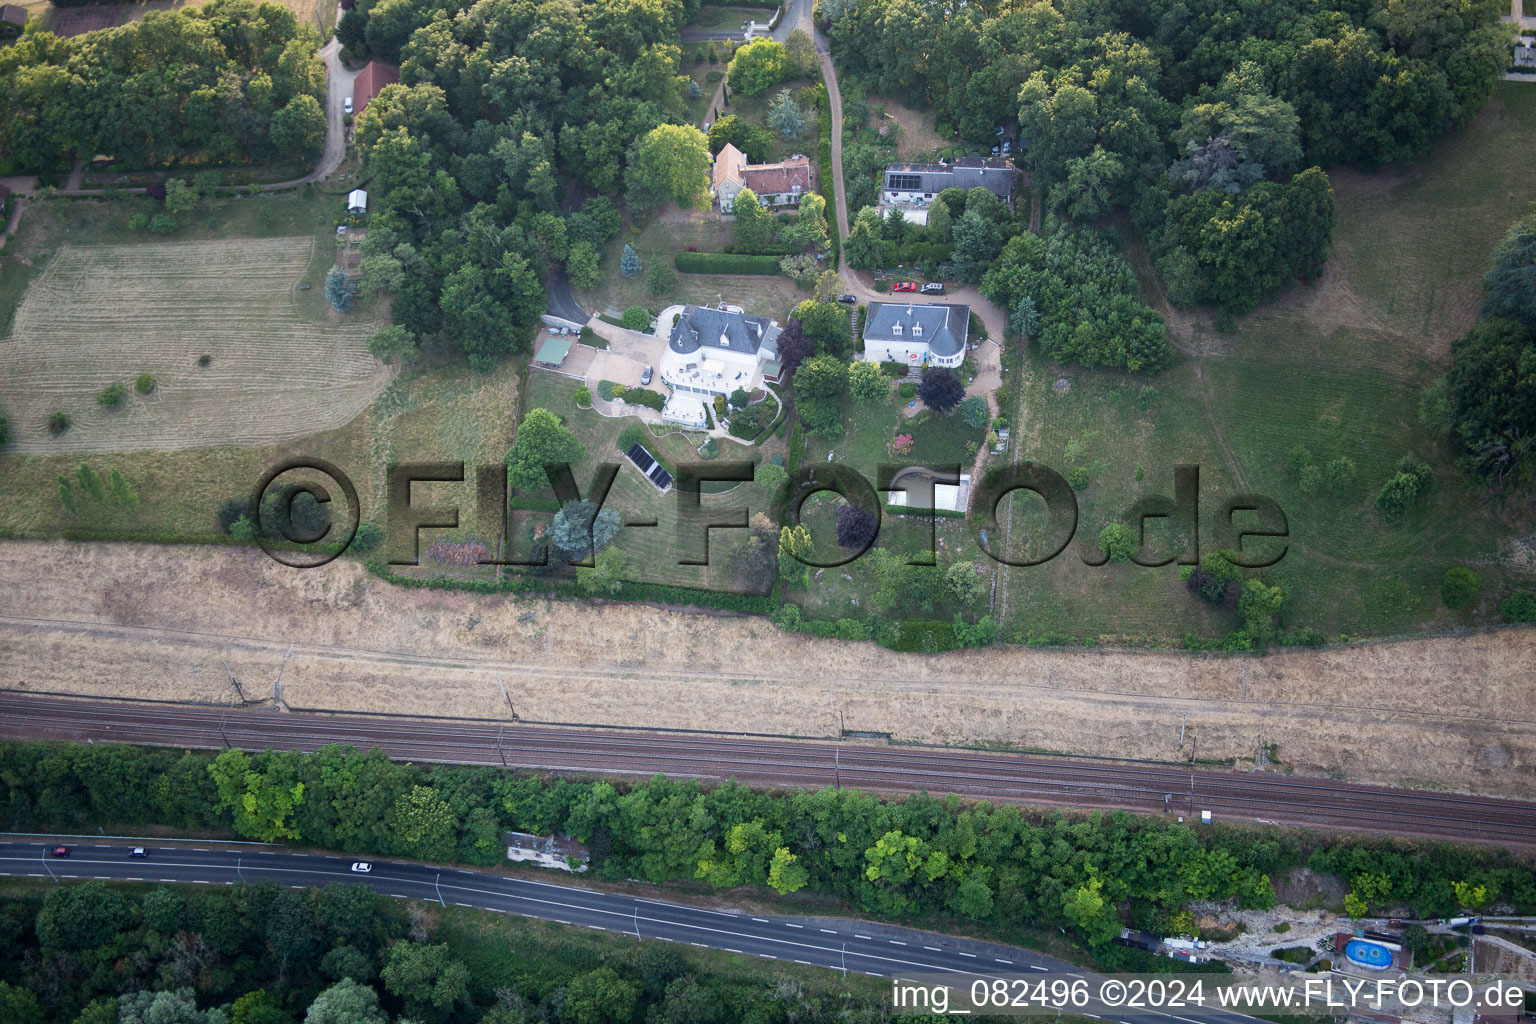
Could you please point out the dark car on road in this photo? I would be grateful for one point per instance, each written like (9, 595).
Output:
(60, 851)
(847, 299)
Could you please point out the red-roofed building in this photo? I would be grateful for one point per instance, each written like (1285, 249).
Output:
(780, 184)
(13, 20)
(370, 82)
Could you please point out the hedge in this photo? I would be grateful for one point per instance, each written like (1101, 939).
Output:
(903, 510)
(824, 171)
(514, 582)
(926, 636)
(725, 263)
(767, 249)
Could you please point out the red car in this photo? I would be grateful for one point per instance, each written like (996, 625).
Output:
(905, 286)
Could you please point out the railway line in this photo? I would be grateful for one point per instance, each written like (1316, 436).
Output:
(1018, 778)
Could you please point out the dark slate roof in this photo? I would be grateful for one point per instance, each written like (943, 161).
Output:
(944, 327)
(13, 15)
(991, 173)
(707, 327)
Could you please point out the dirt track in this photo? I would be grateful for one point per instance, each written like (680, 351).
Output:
(162, 622)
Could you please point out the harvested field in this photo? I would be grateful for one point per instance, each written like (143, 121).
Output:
(106, 313)
(158, 622)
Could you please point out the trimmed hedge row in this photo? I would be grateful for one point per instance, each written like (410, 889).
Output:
(903, 510)
(725, 263)
(768, 249)
(518, 583)
(824, 171)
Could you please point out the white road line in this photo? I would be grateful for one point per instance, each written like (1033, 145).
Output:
(806, 962)
(964, 953)
(858, 936)
(730, 950)
(1001, 960)
(767, 956)
(699, 944)
(760, 920)
(787, 925)
(933, 949)
(897, 942)
(826, 931)
(1034, 968)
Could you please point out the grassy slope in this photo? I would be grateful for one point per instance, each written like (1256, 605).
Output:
(1336, 367)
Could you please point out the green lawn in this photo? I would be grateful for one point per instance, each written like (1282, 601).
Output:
(1338, 368)
(662, 238)
(655, 551)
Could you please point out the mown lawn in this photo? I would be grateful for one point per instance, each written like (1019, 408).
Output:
(1338, 368)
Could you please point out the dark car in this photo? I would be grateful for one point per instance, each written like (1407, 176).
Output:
(138, 851)
(848, 300)
(645, 375)
(60, 851)
(933, 288)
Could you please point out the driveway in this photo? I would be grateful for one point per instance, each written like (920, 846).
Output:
(561, 302)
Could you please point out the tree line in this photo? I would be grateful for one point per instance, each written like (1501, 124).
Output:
(901, 858)
(92, 953)
(231, 80)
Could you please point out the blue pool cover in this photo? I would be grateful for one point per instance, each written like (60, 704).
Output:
(1368, 954)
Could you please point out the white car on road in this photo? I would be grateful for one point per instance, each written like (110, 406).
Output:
(362, 867)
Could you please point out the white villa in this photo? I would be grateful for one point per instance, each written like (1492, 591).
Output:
(916, 334)
(713, 352)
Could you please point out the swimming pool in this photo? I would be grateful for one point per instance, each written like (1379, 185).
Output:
(1368, 954)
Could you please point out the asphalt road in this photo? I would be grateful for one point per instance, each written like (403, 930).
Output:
(877, 950)
(765, 761)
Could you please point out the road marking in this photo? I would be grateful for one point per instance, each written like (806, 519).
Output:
(767, 956)
(897, 942)
(964, 953)
(806, 962)
(167, 879)
(826, 931)
(933, 949)
(760, 920)
(1001, 960)
(1034, 968)
(858, 936)
(728, 949)
(787, 925)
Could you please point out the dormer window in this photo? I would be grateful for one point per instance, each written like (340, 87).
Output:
(917, 330)
(896, 329)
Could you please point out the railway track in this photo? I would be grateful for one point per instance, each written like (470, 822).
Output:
(1017, 778)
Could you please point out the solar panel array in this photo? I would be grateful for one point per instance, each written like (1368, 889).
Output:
(647, 464)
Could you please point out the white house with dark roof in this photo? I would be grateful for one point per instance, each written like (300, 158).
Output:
(713, 352)
(916, 334)
(920, 184)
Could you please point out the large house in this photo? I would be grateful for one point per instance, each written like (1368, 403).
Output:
(715, 351)
(920, 184)
(915, 334)
(780, 184)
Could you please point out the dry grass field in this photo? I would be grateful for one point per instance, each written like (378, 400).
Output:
(160, 621)
(67, 21)
(277, 369)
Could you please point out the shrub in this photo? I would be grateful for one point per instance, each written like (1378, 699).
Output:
(632, 435)
(5, 431)
(901, 444)
(111, 396)
(636, 318)
(975, 412)
(1118, 542)
(1412, 479)
(144, 383)
(1078, 477)
(907, 389)
(643, 396)
(138, 222)
(608, 389)
(58, 423)
(1519, 607)
(1458, 587)
(162, 224)
(583, 396)
(725, 263)
(204, 361)
(369, 537)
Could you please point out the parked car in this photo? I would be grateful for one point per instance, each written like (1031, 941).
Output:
(933, 288)
(138, 851)
(645, 374)
(362, 867)
(904, 286)
(346, 105)
(60, 851)
(848, 300)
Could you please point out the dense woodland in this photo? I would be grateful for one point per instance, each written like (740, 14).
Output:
(88, 953)
(500, 103)
(920, 856)
(229, 81)
(1192, 115)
